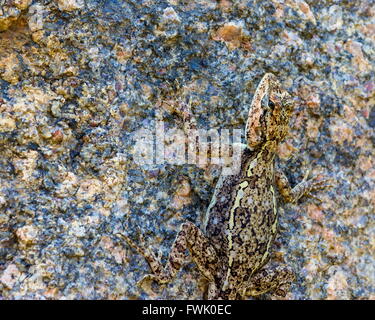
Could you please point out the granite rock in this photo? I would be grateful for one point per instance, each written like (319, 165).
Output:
(80, 80)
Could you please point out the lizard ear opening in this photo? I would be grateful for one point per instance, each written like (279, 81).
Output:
(271, 105)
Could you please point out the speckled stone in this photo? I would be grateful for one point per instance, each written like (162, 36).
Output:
(10, 11)
(79, 80)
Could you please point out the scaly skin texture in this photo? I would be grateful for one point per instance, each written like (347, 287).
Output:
(240, 224)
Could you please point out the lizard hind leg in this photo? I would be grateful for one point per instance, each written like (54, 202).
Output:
(274, 278)
(190, 238)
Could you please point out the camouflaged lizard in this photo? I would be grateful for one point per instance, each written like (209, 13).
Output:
(240, 224)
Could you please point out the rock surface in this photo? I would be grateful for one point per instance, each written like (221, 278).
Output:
(79, 80)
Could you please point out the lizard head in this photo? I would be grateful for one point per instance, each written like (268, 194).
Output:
(269, 113)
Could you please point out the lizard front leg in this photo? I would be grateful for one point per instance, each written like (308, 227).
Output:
(305, 187)
(191, 238)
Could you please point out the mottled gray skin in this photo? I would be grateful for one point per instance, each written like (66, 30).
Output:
(242, 233)
(240, 224)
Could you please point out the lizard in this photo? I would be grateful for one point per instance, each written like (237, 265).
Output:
(233, 248)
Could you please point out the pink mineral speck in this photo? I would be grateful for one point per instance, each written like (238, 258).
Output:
(10, 276)
(27, 235)
(337, 287)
